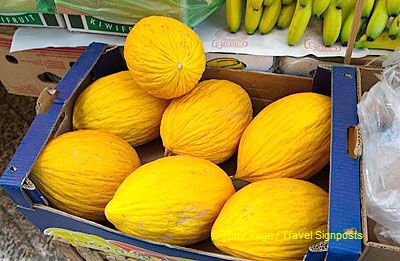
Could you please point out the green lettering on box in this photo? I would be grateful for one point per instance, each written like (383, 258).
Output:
(21, 19)
(97, 24)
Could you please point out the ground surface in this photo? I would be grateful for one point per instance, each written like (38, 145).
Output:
(19, 239)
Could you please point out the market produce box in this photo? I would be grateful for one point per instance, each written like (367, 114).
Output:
(307, 66)
(374, 249)
(257, 50)
(29, 72)
(264, 88)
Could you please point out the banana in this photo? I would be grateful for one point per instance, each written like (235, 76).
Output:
(346, 28)
(252, 18)
(393, 7)
(268, 2)
(343, 3)
(319, 7)
(287, 2)
(233, 14)
(378, 20)
(270, 17)
(394, 30)
(381, 42)
(304, 3)
(346, 7)
(367, 8)
(227, 63)
(332, 24)
(299, 23)
(339, 4)
(256, 4)
(286, 15)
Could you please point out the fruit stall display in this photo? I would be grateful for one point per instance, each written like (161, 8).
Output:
(94, 171)
(379, 27)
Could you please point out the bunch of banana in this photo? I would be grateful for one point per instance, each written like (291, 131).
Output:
(376, 24)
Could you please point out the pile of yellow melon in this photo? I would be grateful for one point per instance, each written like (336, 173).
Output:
(182, 198)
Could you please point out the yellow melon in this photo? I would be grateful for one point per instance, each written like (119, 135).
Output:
(172, 200)
(164, 56)
(289, 138)
(80, 171)
(116, 104)
(207, 122)
(274, 219)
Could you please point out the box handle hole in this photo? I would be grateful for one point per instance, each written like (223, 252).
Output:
(354, 147)
(11, 59)
(348, 75)
(49, 77)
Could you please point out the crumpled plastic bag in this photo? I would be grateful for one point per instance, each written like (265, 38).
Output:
(379, 114)
(191, 12)
(20, 6)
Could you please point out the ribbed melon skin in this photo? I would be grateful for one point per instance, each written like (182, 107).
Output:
(80, 171)
(207, 122)
(165, 56)
(116, 104)
(289, 138)
(265, 220)
(173, 200)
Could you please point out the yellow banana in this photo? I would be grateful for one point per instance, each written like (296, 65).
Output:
(381, 42)
(256, 4)
(299, 23)
(393, 7)
(346, 28)
(394, 30)
(304, 3)
(252, 18)
(233, 14)
(227, 63)
(378, 20)
(367, 8)
(268, 2)
(286, 15)
(270, 17)
(339, 4)
(287, 2)
(342, 3)
(319, 7)
(332, 24)
(346, 7)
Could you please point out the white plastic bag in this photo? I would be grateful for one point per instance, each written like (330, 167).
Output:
(379, 114)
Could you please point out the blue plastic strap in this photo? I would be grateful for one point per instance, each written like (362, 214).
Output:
(42, 126)
(345, 201)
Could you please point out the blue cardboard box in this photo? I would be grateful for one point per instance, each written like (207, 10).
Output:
(97, 61)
